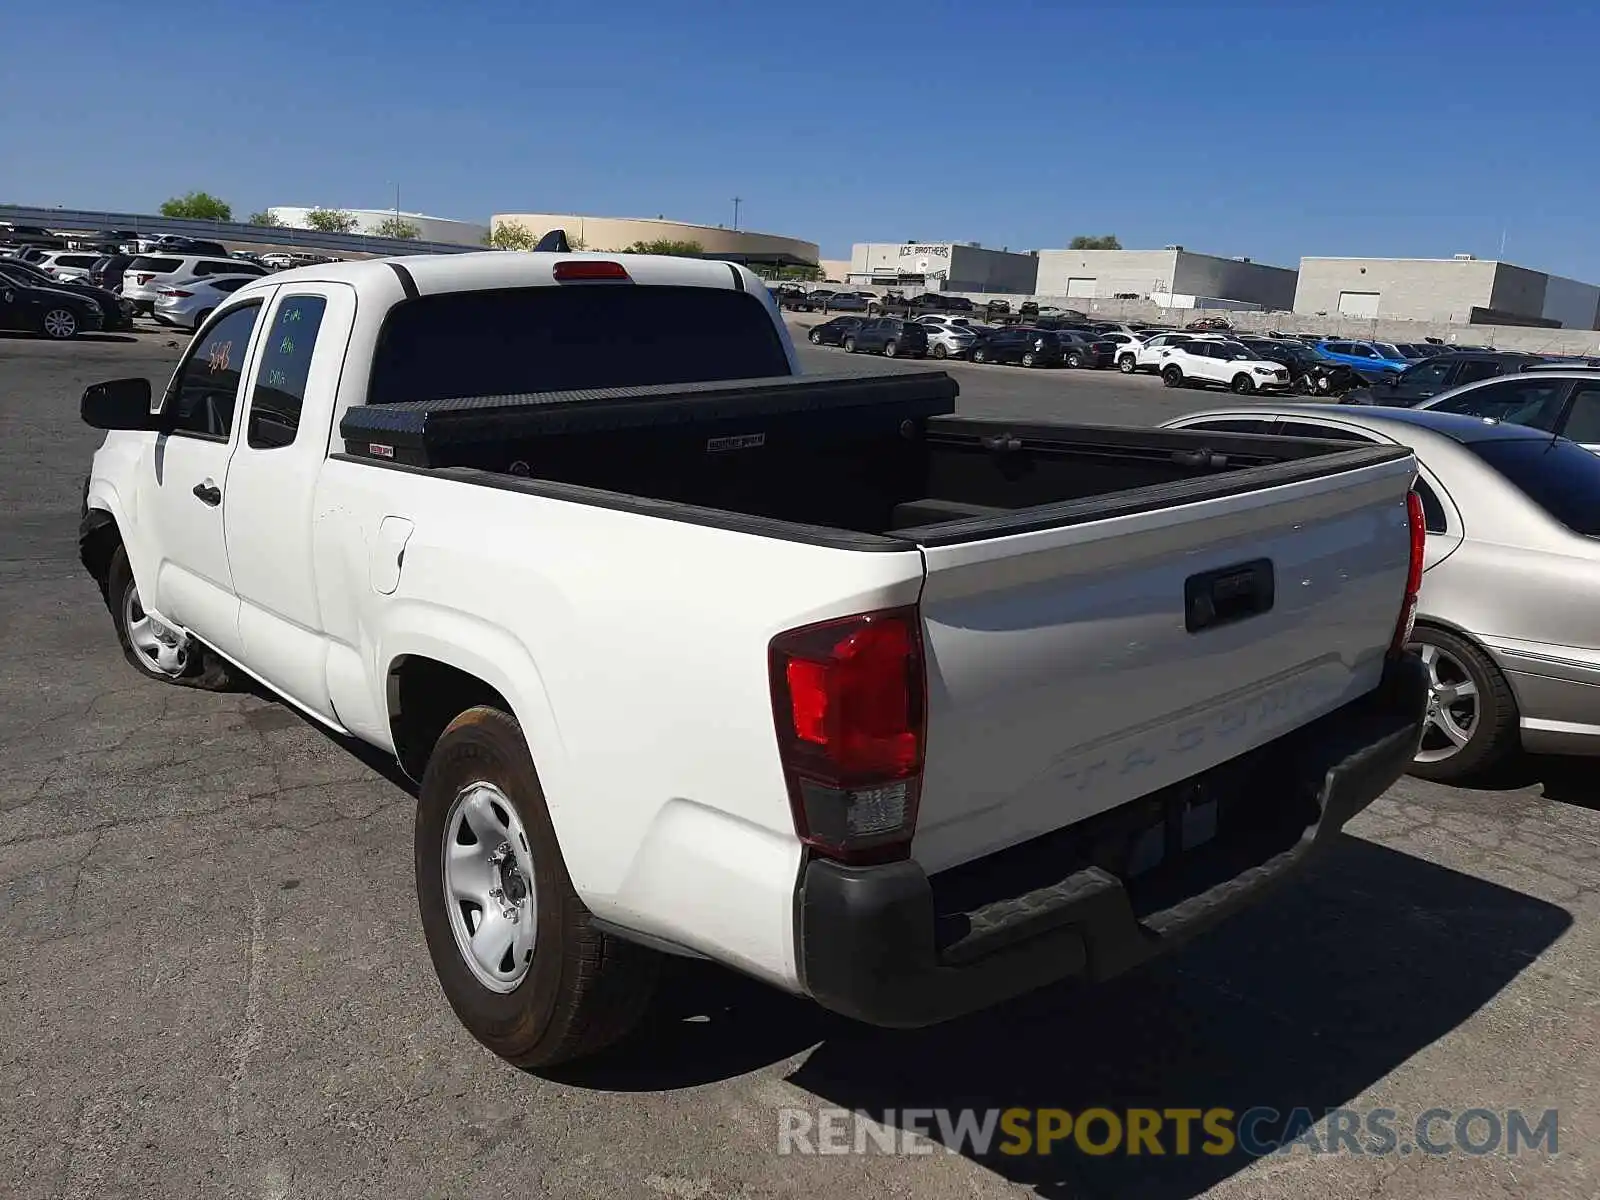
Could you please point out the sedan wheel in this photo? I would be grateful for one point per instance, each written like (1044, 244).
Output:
(849, 345)
(1471, 721)
(816, 338)
(890, 349)
(60, 323)
(938, 350)
(1028, 359)
(980, 355)
(1074, 361)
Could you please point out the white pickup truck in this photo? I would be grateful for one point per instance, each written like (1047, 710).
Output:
(690, 653)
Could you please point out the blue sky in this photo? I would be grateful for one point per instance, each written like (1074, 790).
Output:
(1272, 130)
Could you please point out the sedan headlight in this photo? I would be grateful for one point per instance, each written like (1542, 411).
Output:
(92, 305)
(1266, 370)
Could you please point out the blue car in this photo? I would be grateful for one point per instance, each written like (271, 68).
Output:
(1372, 361)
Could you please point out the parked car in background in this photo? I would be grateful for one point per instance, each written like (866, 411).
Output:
(844, 302)
(1212, 324)
(1365, 357)
(148, 274)
(108, 269)
(951, 340)
(1506, 621)
(116, 314)
(30, 235)
(1310, 372)
(1436, 375)
(892, 337)
(1078, 349)
(187, 303)
(1232, 365)
(833, 333)
(797, 301)
(1022, 345)
(67, 264)
(1146, 356)
(53, 312)
(1564, 403)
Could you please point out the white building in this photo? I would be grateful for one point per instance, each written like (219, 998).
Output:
(943, 267)
(1460, 290)
(1172, 277)
(370, 220)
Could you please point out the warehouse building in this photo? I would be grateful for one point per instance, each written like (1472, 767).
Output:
(943, 267)
(372, 220)
(1173, 277)
(755, 250)
(1462, 290)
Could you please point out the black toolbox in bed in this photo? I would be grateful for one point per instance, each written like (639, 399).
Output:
(567, 434)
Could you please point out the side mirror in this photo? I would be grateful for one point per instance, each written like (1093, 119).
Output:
(119, 404)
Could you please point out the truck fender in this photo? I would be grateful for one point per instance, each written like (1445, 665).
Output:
(473, 646)
(103, 497)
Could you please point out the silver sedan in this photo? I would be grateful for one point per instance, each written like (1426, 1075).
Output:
(188, 302)
(1508, 623)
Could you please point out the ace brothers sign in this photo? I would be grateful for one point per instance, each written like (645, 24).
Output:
(910, 251)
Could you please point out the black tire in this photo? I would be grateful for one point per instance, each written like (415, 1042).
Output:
(1028, 360)
(1494, 733)
(938, 350)
(980, 355)
(815, 338)
(200, 668)
(1242, 385)
(585, 990)
(1074, 361)
(203, 317)
(849, 345)
(891, 348)
(59, 324)
(1127, 364)
(1172, 377)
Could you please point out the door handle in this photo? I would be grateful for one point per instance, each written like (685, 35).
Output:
(209, 493)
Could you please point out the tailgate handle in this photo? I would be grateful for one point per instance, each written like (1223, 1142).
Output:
(1228, 594)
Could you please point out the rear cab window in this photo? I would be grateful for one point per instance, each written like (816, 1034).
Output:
(510, 341)
(1559, 476)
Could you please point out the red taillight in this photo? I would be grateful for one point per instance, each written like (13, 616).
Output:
(1419, 544)
(577, 270)
(849, 698)
(174, 292)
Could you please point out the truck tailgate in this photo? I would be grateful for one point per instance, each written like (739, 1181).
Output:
(1074, 668)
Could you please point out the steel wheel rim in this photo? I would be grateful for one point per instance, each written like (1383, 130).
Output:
(59, 323)
(1452, 714)
(159, 648)
(489, 886)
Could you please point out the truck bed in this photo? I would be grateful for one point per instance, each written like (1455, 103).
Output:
(879, 460)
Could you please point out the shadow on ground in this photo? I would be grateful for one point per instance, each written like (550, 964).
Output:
(1564, 780)
(1302, 1002)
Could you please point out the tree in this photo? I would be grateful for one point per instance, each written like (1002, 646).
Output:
(331, 220)
(197, 206)
(509, 235)
(264, 217)
(665, 246)
(1103, 242)
(394, 227)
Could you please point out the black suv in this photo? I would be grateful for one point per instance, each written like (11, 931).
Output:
(1431, 376)
(1030, 347)
(888, 336)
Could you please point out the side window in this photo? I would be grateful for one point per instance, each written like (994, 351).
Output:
(1477, 369)
(1429, 374)
(1432, 510)
(1530, 400)
(1332, 433)
(1583, 415)
(1241, 425)
(281, 379)
(200, 402)
(1337, 347)
(1361, 352)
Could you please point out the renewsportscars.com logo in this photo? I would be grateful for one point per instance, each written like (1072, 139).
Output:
(1217, 1132)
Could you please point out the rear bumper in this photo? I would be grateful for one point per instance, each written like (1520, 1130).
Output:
(888, 946)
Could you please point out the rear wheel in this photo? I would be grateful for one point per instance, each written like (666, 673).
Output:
(1172, 377)
(1074, 361)
(891, 348)
(1243, 385)
(203, 317)
(1028, 360)
(849, 345)
(60, 324)
(1127, 364)
(1472, 714)
(515, 950)
(938, 350)
(980, 355)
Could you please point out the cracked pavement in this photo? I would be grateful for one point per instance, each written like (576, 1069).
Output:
(213, 983)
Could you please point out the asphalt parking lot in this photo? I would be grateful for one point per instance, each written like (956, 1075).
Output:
(213, 982)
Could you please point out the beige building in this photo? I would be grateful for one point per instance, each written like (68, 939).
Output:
(1459, 290)
(614, 233)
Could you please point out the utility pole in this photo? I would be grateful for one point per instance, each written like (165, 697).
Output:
(397, 206)
(737, 200)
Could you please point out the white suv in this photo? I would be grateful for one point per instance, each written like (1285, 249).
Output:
(69, 266)
(148, 274)
(1146, 356)
(1212, 361)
